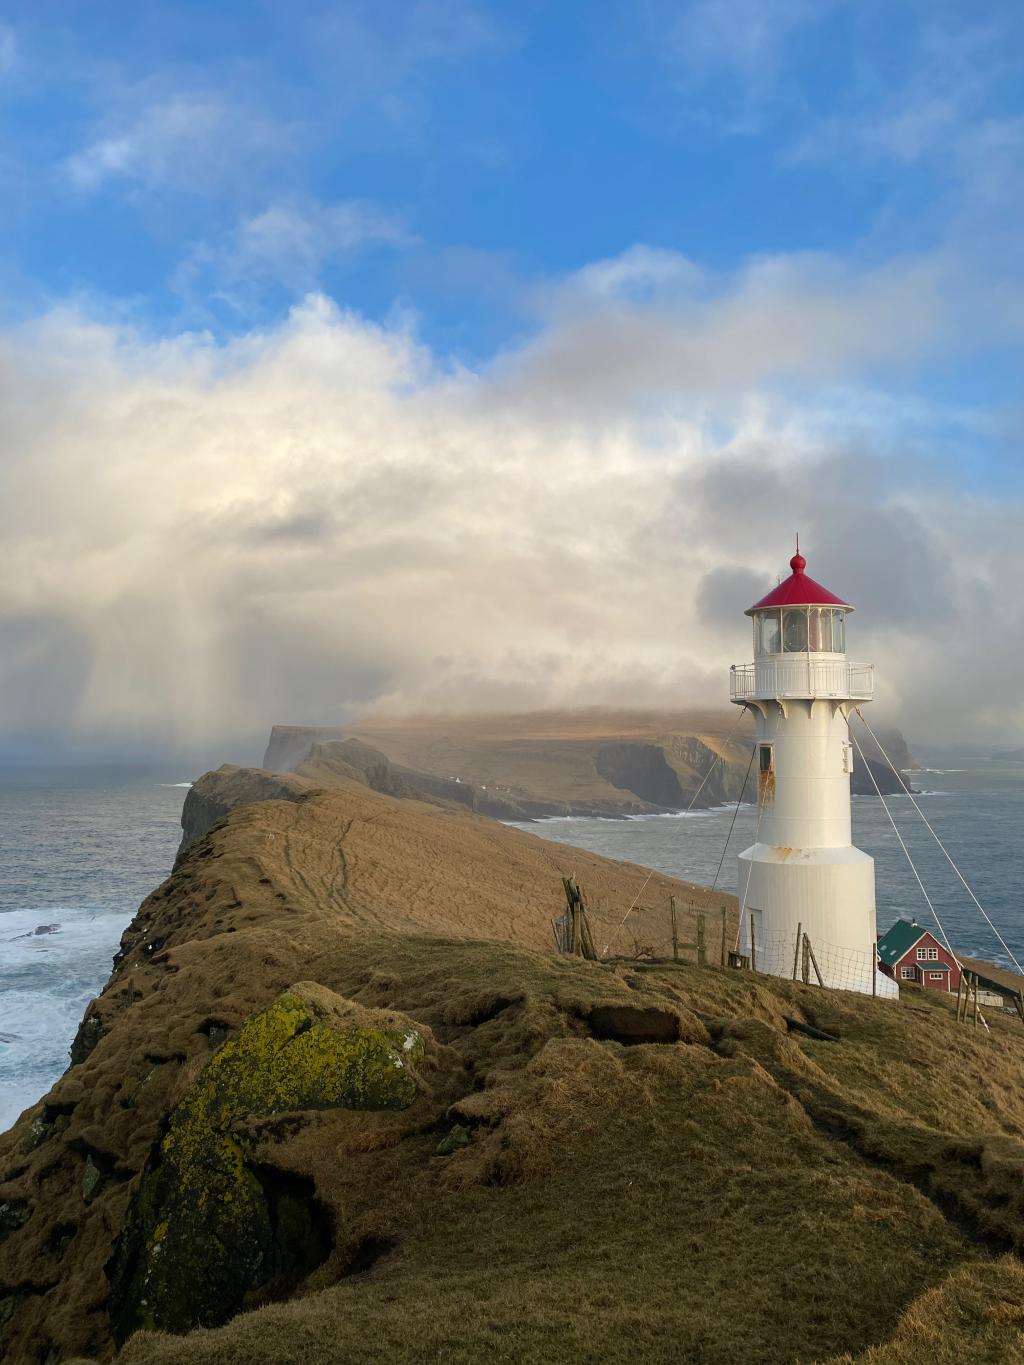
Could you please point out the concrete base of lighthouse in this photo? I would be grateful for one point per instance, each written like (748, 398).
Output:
(827, 894)
(804, 876)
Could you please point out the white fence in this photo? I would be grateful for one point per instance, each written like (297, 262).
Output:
(802, 675)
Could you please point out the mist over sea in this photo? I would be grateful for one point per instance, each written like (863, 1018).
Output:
(80, 848)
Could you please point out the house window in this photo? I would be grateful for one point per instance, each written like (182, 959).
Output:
(922, 954)
(934, 976)
(907, 973)
(933, 954)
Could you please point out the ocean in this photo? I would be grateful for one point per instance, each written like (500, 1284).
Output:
(80, 848)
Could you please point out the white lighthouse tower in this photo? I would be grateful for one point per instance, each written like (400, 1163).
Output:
(803, 875)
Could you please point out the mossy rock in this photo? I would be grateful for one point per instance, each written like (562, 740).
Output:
(208, 1224)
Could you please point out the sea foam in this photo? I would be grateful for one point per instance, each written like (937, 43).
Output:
(46, 980)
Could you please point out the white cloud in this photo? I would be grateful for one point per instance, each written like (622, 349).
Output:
(377, 48)
(927, 109)
(191, 141)
(746, 36)
(312, 520)
(663, 326)
(288, 242)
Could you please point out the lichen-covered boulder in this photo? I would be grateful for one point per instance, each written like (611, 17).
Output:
(208, 1223)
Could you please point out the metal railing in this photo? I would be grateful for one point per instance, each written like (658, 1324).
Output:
(802, 675)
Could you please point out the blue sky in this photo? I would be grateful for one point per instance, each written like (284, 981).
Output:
(203, 165)
(757, 251)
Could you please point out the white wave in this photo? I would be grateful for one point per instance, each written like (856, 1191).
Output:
(46, 981)
(177, 784)
(702, 812)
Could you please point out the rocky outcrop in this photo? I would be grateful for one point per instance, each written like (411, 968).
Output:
(871, 771)
(643, 770)
(289, 744)
(209, 1223)
(216, 793)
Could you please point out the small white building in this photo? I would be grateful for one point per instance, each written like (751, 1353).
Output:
(803, 875)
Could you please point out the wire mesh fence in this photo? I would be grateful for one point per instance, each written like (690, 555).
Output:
(687, 931)
(704, 933)
(802, 957)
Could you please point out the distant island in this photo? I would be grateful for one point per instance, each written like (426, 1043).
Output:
(528, 766)
(1010, 755)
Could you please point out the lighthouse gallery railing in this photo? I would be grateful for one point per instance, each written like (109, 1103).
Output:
(802, 676)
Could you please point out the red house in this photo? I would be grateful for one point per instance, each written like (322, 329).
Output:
(913, 956)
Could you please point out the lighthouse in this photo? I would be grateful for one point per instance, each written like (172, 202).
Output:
(802, 875)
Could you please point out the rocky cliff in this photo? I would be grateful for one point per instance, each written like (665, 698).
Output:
(217, 793)
(339, 1102)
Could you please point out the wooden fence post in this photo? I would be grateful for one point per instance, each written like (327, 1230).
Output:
(814, 960)
(701, 949)
(753, 946)
(675, 928)
(874, 969)
(796, 947)
(572, 932)
(805, 962)
(725, 916)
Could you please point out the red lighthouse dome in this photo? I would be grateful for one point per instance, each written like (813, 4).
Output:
(798, 590)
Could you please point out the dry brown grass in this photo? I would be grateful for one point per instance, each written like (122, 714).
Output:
(738, 1194)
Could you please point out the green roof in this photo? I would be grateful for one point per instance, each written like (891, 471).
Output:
(934, 966)
(898, 940)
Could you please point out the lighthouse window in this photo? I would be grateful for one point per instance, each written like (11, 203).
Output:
(839, 631)
(794, 631)
(769, 643)
(820, 628)
(766, 758)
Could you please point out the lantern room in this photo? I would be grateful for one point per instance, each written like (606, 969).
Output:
(799, 617)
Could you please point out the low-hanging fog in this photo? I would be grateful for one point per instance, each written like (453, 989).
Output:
(322, 519)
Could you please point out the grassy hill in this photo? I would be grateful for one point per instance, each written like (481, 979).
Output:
(338, 1102)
